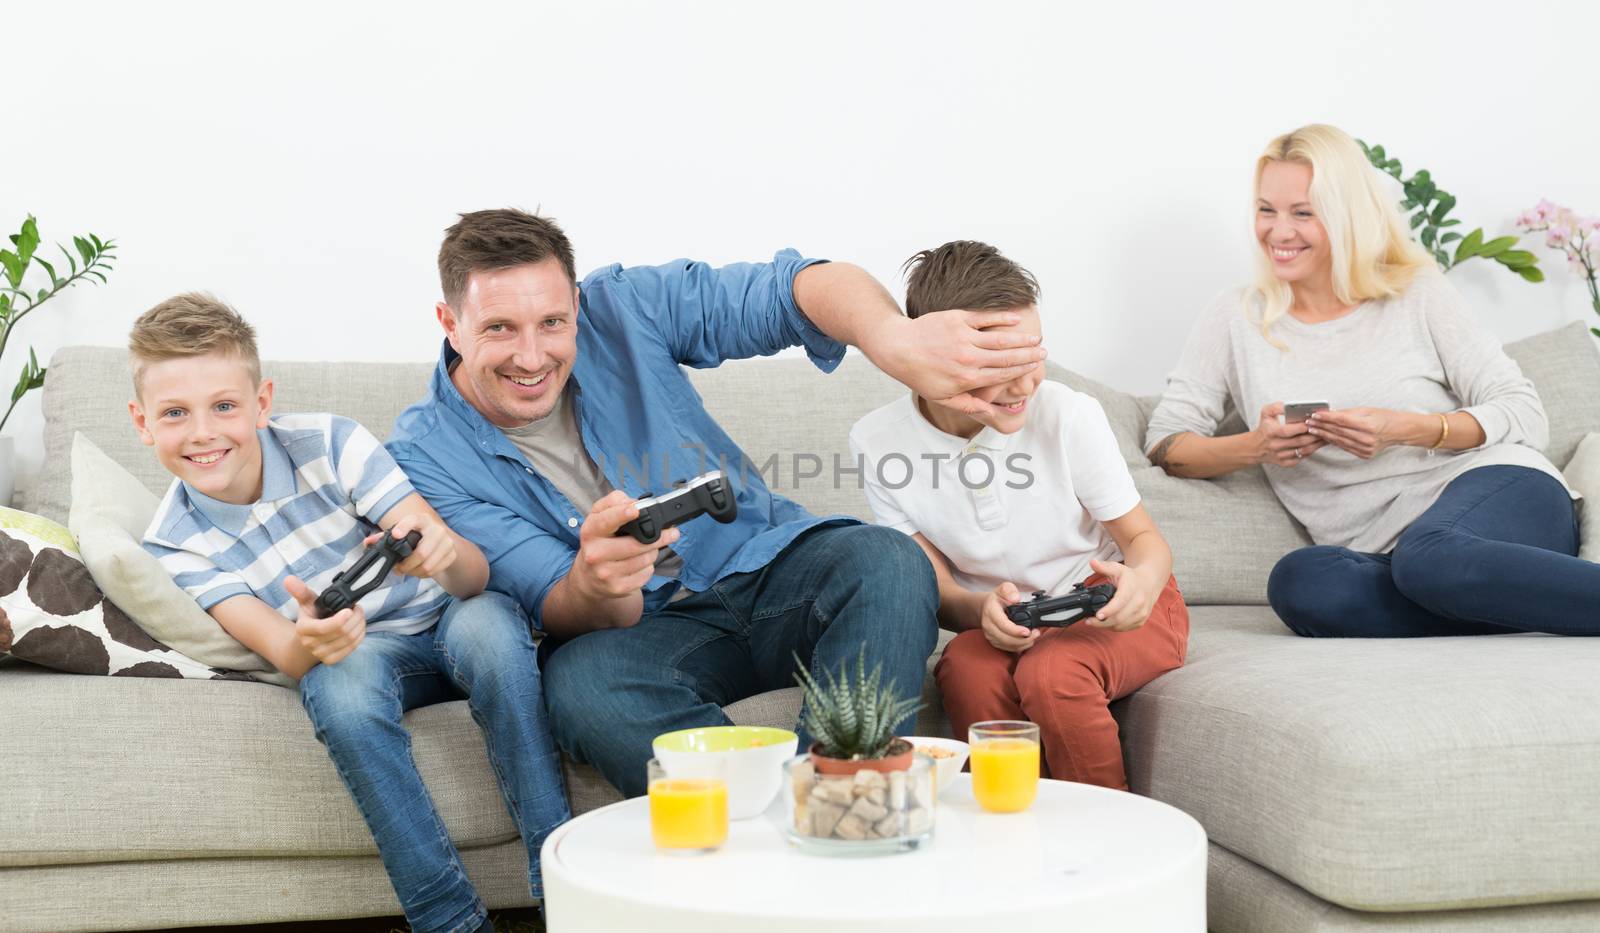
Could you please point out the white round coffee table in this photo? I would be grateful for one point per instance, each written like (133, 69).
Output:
(1082, 858)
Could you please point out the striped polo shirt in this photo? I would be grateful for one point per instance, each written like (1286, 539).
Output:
(325, 483)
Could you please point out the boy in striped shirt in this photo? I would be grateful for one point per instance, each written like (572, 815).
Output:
(262, 513)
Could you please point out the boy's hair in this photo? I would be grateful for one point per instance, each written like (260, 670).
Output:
(498, 239)
(969, 275)
(191, 324)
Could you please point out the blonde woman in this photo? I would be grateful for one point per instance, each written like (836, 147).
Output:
(1423, 487)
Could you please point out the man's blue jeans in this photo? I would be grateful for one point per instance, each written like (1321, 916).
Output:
(1494, 554)
(481, 650)
(834, 589)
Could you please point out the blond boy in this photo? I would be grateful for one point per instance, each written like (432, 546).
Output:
(264, 510)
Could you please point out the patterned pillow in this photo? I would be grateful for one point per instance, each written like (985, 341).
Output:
(53, 615)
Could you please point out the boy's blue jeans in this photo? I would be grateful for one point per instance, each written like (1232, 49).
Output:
(1494, 554)
(834, 589)
(481, 650)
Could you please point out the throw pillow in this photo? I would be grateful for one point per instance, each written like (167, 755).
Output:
(110, 512)
(53, 615)
(1583, 475)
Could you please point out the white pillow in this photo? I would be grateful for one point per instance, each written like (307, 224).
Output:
(110, 512)
(1583, 475)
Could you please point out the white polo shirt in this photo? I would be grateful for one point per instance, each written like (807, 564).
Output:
(1025, 507)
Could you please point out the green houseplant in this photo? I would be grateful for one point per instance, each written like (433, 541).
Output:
(852, 719)
(861, 787)
(19, 299)
(1430, 206)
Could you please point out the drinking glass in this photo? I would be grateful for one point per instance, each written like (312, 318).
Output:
(1005, 764)
(689, 812)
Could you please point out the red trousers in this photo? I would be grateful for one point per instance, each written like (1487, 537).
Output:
(1065, 683)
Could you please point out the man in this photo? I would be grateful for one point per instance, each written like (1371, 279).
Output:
(554, 402)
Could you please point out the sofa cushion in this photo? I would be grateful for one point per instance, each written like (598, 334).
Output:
(1564, 365)
(170, 770)
(1583, 475)
(1382, 775)
(110, 512)
(51, 612)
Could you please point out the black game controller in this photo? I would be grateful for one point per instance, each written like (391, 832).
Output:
(345, 590)
(1082, 601)
(706, 494)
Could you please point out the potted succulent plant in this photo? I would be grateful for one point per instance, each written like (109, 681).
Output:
(852, 720)
(860, 785)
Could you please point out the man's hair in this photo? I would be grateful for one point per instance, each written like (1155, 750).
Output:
(188, 325)
(969, 275)
(498, 239)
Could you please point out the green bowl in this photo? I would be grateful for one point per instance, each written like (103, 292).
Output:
(723, 739)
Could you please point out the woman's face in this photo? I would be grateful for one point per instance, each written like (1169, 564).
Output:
(1288, 229)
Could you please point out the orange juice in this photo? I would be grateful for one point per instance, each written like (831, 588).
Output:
(1005, 774)
(688, 813)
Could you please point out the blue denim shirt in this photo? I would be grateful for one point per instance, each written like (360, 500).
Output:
(640, 418)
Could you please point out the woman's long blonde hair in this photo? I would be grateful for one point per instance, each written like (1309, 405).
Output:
(1373, 253)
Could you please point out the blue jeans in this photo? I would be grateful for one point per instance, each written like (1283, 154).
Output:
(1495, 554)
(834, 589)
(481, 650)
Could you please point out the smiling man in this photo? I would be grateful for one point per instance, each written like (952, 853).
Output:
(547, 389)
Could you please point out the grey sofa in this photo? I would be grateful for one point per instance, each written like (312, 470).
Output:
(1450, 784)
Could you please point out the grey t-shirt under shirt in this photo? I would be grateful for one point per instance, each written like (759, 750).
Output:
(554, 448)
(1419, 351)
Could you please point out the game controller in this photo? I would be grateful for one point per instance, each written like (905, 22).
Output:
(1085, 601)
(348, 585)
(706, 494)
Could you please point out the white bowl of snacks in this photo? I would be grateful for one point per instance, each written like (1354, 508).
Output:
(948, 756)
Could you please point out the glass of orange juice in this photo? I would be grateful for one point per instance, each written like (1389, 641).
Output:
(689, 811)
(1005, 764)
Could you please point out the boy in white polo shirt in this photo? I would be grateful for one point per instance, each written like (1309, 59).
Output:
(1031, 494)
(263, 511)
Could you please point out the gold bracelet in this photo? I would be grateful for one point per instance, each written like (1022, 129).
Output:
(1444, 432)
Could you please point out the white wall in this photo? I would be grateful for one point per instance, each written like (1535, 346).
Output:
(300, 160)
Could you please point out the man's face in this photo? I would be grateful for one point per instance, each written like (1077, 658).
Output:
(517, 332)
(201, 414)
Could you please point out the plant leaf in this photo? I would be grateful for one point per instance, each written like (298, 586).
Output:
(1419, 218)
(1427, 236)
(1497, 246)
(28, 241)
(54, 279)
(84, 250)
(1531, 273)
(1448, 223)
(72, 261)
(1446, 202)
(1449, 237)
(1469, 247)
(14, 267)
(1517, 258)
(32, 378)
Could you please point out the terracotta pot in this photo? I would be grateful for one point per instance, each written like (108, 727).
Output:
(898, 758)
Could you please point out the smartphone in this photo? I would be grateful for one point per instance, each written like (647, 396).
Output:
(1294, 412)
